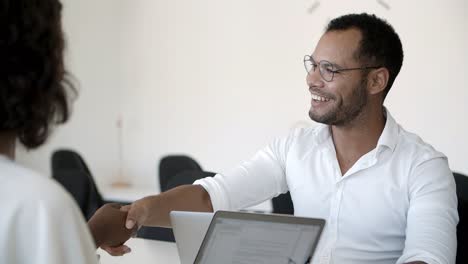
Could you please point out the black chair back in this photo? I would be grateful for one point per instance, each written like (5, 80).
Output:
(187, 177)
(462, 228)
(282, 204)
(171, 165)
(76, 184)
(71, 171)
(65, 159)
(184, 177)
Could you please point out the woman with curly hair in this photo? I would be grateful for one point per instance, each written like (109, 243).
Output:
(39, 221)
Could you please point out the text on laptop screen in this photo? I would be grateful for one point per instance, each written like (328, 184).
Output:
(245, 241)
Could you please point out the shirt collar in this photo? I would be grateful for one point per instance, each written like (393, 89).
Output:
(388, 138)
(322, 133)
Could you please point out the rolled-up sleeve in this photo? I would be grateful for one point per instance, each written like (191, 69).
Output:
(254, 181)
(432, 216)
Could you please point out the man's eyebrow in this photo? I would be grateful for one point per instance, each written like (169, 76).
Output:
(337, 66)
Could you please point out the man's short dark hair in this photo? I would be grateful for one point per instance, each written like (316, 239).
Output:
(380, 44)
(33, 80)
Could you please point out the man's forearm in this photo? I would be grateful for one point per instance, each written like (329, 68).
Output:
(182, 198)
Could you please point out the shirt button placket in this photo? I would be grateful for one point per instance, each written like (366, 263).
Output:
(335, 208)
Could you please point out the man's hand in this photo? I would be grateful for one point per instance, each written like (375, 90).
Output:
(108, 227)
(135, 216)
(154, 210)
(138, 212)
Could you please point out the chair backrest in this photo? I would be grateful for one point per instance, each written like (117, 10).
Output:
(76, 183)
(187, 177)
(172, 165)
(181, 178)
(71, 171)
(462, 228)
(282, 204)
(66, 159)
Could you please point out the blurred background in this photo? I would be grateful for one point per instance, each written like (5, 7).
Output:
(218, 80)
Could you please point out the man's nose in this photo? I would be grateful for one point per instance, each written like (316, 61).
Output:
(314, 79)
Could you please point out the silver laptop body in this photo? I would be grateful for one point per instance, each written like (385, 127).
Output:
(189, 230)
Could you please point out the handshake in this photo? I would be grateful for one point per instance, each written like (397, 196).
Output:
(113, 224)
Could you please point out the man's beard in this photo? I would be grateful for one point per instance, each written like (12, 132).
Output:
(347, 111)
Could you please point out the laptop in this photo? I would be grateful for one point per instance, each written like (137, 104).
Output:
(254, 238)
(189, 230)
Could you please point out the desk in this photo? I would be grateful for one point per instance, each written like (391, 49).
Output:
(144, 251)
(126, 194)
(133, 193)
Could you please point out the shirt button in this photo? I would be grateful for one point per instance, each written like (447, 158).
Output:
(325, 259)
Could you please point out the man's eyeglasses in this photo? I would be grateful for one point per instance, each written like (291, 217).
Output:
(327, 69)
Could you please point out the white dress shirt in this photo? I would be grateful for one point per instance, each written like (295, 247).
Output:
(396, 204)
(39, 221)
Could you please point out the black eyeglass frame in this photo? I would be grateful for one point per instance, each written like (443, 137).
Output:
(309, 58)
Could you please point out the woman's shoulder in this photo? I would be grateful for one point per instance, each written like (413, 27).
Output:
(22, 185)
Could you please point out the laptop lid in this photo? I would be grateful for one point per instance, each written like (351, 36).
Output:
(259, 238)
(189, 230)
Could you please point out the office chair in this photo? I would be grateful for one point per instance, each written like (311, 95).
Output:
(172, 165)
(462, 228)
(184, 177)
(66, 159)
(70, 170)
(187, 177)
(282, 204)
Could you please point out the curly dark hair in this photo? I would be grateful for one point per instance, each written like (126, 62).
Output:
(380, 44)
(34, 86)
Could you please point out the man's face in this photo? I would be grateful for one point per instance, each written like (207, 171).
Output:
(340, 101)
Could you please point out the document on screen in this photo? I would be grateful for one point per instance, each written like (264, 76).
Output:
(241, 242)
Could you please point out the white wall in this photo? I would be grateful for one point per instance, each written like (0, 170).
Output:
(93, 48)
(220, 79)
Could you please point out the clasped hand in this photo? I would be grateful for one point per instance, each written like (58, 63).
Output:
(113, 224)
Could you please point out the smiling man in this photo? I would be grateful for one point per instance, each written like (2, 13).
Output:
(387, 196)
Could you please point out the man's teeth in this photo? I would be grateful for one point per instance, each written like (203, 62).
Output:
(320, 98)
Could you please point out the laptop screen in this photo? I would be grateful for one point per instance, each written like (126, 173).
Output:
(235, 237)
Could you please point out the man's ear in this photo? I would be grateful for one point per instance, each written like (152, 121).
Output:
(377, 80)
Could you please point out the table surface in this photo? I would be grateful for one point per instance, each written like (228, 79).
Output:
(144, 251)
(133, 193)
(126, 194)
